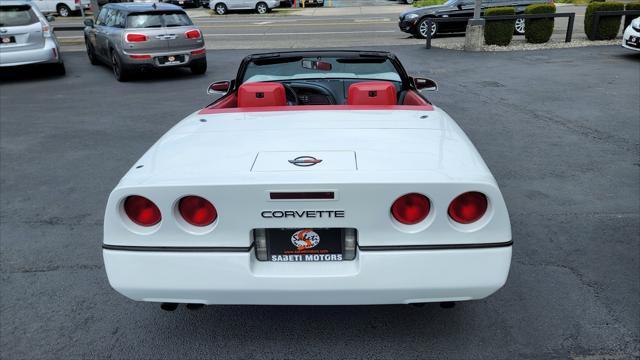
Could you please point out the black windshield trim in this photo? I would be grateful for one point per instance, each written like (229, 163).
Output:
(407, 84)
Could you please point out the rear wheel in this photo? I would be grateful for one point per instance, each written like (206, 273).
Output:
(120, 72)
(262, 8)
(423, 28)
(199, 66)
(63, 10)
(519, 28)
(220, 9)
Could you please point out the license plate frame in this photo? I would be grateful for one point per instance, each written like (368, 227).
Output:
(177, 59)
(305, 244)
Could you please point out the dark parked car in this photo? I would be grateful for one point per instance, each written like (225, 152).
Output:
(415, 21)
(289, 3)
(187, 3)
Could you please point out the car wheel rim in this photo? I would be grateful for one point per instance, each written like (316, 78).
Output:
(520, 26)
(262, 9)
(424, 27)
(64, 12)
(220, 9)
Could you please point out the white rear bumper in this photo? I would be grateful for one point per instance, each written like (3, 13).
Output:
(374, 277)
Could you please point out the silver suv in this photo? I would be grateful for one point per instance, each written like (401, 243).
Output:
(132, 36)
(26, 37)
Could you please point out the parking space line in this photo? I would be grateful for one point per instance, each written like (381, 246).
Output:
(303, 33)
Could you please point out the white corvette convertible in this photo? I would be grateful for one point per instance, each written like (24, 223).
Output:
(319, 177)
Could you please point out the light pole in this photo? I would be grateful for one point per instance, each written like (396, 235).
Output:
(477, 20)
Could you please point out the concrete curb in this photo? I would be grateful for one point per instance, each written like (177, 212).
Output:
(71, 41)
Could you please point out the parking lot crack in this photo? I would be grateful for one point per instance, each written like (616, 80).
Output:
(593, 287)
(567, 124)
(52, 268)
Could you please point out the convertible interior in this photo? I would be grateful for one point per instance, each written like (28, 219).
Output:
(319, 92)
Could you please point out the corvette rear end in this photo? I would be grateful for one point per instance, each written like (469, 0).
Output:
(340, 204)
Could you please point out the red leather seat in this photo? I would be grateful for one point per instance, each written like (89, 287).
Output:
(372, 93)
(261, 94)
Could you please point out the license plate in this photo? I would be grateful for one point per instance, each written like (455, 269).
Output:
(7, 39)
(305, 245)
(170, 60)
(181, 2)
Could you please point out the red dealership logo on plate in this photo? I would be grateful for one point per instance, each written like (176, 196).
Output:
(305, 239)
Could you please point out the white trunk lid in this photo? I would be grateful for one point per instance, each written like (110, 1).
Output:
(354, 146)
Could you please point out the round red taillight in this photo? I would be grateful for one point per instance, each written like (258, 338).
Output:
(197, 211)
(141, 210)
(411, 208)
(468, 207)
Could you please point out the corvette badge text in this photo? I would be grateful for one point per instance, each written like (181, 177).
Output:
(278, 214)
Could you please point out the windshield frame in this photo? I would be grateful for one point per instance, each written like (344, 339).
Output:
(405, 81)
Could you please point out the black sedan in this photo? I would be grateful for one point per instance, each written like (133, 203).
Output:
(415, 21)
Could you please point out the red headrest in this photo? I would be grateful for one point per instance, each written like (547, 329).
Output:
(372, 93)
(261, 94)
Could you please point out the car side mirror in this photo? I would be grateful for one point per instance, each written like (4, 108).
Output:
(50, 18)
(88, 22)
(219, 87)
(423, 84)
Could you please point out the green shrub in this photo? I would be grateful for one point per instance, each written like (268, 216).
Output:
(608, 26)
(629, 18)
(539, 30)
(632, 6)
(499, 32)
(575, 2)
(423, 3)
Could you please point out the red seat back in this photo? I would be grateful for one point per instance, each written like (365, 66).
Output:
(261, 94)
(372, 93)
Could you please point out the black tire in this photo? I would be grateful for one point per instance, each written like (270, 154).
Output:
(220, 9)
(262, 8)
(120, 72)
(519, 27)
(199, 66)
(91, 54)
(58, 69)
(422, 28)
(63, 10)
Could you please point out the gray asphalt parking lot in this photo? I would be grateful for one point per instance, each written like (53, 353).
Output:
(558, 128)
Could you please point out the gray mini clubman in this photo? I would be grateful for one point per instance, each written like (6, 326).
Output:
(133, 36)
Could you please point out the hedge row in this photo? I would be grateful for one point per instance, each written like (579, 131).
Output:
(499, 32)
(631, 6)
(608, 26)
(539, 30)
